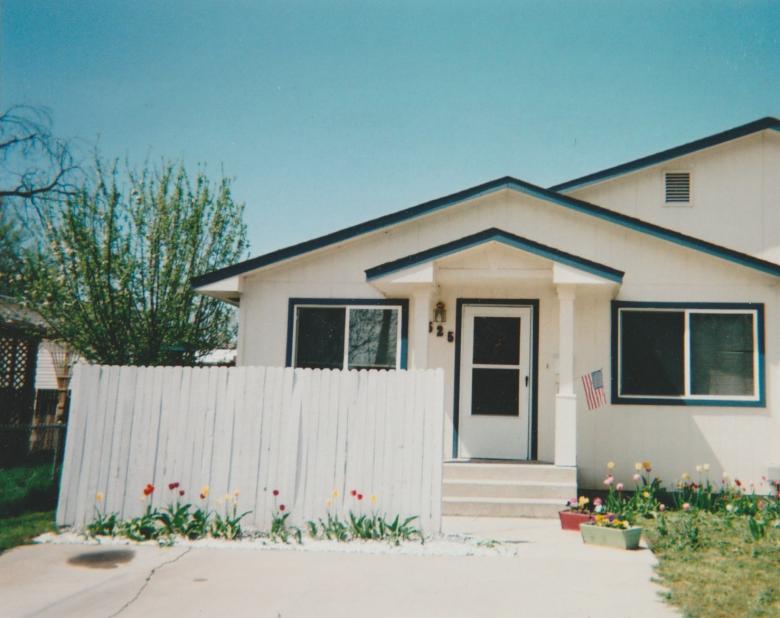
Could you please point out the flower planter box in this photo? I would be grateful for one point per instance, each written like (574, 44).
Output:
(571, 520)
(627, 538)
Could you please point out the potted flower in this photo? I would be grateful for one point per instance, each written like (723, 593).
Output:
(576, 513)
(611, 530)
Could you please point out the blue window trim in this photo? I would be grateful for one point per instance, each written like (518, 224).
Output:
(403, 303)
(617, 305)
(533, 303)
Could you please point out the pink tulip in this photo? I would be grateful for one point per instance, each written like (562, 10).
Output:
(686, 507)
(608, 480)
(637, 478)
(619, 486)
(661, 507)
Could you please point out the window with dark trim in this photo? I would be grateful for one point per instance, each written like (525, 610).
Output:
(695, 354)
(348, 335)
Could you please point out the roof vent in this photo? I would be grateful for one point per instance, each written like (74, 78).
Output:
(678, 187)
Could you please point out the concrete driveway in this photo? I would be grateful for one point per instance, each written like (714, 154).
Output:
(554, 575)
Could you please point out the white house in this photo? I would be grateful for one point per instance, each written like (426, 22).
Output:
(663, 272)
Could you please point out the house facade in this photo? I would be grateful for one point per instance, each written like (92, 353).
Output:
(662, 273)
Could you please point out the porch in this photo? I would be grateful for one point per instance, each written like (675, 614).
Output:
(507, 345)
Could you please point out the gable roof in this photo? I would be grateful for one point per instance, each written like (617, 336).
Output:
(671, 153)
(506, 182)
(496, 235)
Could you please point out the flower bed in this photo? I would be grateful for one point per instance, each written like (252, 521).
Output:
(182, 520)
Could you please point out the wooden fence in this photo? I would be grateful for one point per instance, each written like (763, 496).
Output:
(307, 433)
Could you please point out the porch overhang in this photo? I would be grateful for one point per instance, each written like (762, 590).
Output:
(421, 269)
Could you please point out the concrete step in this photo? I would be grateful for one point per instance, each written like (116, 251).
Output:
(502, 507)
(518, 472)
(460, 488)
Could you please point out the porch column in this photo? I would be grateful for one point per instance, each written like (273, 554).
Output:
(418, 335)
(566, 399)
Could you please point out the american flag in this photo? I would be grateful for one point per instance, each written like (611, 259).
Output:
(593, 383)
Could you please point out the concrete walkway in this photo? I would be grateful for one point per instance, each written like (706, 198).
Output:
(554, 575)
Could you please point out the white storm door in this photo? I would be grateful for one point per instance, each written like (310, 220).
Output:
(495, 382)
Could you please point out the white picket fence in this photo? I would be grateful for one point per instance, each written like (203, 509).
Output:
(307, 433)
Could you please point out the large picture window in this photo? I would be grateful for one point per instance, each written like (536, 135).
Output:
(697, 354)
(332, 334)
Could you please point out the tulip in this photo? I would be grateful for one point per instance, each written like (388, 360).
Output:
(99, 496)
(661, 507)
(619, 486)
(282, 507)
(608, 480)
(275, 492)
(686, 507)
(611, 465)
(149, 489)
(637, 478)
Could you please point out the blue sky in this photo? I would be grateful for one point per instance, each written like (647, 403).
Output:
(329, 113)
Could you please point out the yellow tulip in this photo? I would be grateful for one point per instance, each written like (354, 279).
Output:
(637, 466)
(99, 496)
(335, 493)
(611, 465)
(373, 499)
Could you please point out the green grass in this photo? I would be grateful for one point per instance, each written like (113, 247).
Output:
(712, 567)
(20, 529)
(27, 488)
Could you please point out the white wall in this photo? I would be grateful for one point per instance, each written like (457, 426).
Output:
(735, 195)
(656, 270)
(45, 377)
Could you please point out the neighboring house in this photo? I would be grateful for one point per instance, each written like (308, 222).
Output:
(664, 272)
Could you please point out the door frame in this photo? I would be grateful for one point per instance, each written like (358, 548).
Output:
(533, 304)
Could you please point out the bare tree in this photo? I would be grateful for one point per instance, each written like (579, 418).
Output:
(34, 164)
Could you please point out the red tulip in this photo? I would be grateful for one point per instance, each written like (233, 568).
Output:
(360, 496)
(353, 492)
(173, 486)
(148, 490)
(282, 507)
(275, 492)
(181, 492)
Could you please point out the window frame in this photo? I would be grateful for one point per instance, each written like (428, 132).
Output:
(351, 303)
(757, 400)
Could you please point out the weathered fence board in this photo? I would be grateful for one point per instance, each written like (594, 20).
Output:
(313, 435)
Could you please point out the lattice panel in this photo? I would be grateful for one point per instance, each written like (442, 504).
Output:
(18, 355)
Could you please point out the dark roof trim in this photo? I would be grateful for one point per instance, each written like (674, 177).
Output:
(671, 153)
(350, 232)
(507, 182)
(497, 235)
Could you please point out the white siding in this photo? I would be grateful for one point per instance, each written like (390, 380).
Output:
(735, 190)
(45, 377)
(656, 270)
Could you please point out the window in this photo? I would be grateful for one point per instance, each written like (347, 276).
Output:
(698, 354)
(677, 187)
(332, 334)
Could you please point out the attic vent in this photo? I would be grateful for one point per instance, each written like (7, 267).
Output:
(678, 187)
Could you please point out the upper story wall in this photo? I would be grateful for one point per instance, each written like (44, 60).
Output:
(735, 195)
(654, 269)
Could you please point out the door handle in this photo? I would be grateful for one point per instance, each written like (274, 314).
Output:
(526, 381)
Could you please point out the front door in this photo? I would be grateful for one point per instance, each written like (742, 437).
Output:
(495, 382)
